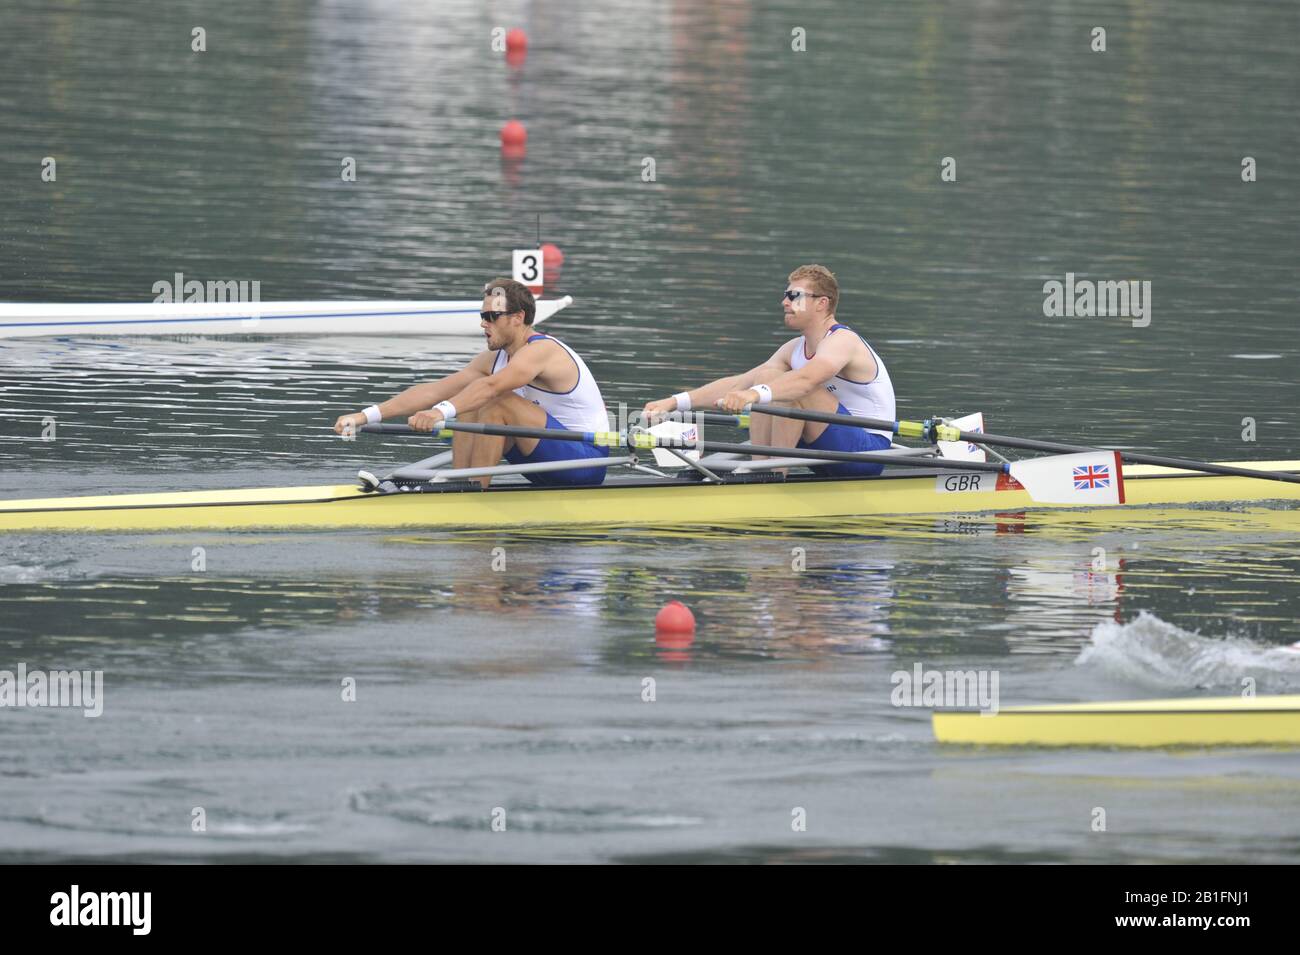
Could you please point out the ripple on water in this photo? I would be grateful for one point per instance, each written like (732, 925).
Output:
(428, 806)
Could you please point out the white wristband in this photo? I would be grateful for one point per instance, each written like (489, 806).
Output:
(372, 415)
(764, 394)
(447, 408)
(683, 401)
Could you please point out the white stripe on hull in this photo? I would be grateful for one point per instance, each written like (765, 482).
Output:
(373, 317)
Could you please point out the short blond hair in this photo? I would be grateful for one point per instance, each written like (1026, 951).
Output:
(820, 280)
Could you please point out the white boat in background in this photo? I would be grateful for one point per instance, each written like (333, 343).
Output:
(369, 317)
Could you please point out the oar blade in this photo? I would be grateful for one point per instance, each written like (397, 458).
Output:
(1088, 479)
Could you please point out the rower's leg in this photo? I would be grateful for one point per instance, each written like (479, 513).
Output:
(819, 400)
(768, 429)
(786, 432)
(522, 413)
(476, 450)
(485, 450)
(773, 431)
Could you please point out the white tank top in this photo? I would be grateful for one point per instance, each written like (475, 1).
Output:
(580, 409)
(866, 399)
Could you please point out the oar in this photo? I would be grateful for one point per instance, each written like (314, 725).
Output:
(851, 457)
(934, 430)
(639, 439)
(611, 439)
(1046, 479)
(599, 438)
(705, 417)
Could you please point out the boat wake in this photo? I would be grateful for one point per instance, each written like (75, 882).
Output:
(1158, 654)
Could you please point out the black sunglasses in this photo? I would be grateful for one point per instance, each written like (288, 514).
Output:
(491, 316)
(794, 294)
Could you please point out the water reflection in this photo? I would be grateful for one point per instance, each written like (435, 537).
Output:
(905, 587)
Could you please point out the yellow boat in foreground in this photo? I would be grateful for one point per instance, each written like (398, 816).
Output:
(633, 501)
(1221, 721)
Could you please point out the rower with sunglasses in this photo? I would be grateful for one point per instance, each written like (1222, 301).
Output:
(829, 367)
(525, 379)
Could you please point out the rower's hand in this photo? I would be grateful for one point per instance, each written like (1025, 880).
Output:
(349, 424)
(737, 401)
(425, 420)
(654, 409)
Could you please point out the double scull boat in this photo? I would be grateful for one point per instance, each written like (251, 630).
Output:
(716, 484)
(450, 499)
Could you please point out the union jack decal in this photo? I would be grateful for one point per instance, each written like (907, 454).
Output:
(1091, 476)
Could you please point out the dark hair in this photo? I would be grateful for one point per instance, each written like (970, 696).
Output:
(517, 297)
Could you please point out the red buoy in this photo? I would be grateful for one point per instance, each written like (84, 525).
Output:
(514, 139)
(674, 617)
(552, 257)
(517, 43)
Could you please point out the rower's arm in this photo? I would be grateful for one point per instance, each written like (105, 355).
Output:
(525, 365)
(426, 395)
(705, 395)
(833, 354)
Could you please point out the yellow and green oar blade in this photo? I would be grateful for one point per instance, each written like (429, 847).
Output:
(1220, 721)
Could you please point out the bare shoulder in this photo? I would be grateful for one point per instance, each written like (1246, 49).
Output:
(555, 366)
(543, 348)
(860, 359)
(844, 337)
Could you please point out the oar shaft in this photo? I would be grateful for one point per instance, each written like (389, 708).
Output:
(516, 431)
(611, 438)
(705, 417)
(828, 417)
(920, 429)
(851, 457)
(387, 429)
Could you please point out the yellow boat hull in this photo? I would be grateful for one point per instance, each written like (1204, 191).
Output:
(1222, 721)
(648, 504)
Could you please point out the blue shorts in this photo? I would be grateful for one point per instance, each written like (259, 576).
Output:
(846, 437)
(554, 449)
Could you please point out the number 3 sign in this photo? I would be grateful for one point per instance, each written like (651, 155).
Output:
(528, 269)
